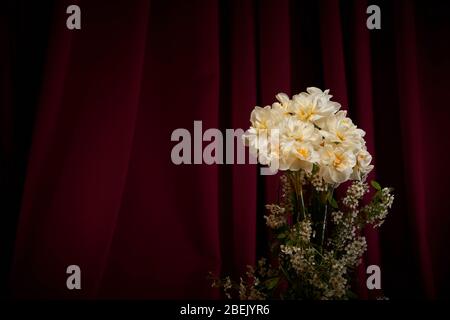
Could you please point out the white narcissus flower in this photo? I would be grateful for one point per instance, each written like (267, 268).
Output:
(310, 131)
(305, 156)
(293, 129)
(336, 164)
(263, 121)
(340, 130)
(296, 155)
(314, 105)
(265, 118)
(363, 166)
(251, 139)
(284, 104)
(299, 141)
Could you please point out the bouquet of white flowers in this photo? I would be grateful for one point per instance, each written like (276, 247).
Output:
(316, 239)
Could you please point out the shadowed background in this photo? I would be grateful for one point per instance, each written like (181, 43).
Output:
(86, 118)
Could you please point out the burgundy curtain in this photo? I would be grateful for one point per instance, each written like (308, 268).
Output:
(87, 115)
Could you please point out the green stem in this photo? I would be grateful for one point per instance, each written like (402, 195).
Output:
(293, 179)
(303, 202)
(285, 273)
(318, 252)
(324, 224)
(298, 189)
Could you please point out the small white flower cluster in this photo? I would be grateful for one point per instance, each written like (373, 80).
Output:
(354, 251)
(329, 277)
(309, 130)
(386, 192)
(347, 228)
(347, 225)
(286, 192)
(355, 193)
(323, 271)
(227, 287)
(262, 267)
(337, 284)
(305, 177)
(318, 183)
(305, 230)
(302, 260)
(250, 292)
(286, 188)
(276, 217)
(336, 216)
(378, 211)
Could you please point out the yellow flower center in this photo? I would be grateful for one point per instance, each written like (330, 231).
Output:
(262, 124)
(303, 152)
(306, 113)
(338, 160)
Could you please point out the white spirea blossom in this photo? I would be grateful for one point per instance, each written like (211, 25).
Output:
(312, 132)
(276, 218)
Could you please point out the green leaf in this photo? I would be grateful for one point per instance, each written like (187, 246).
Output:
(376, 185)
(352, 295)
(329, 196)
(271, 283)
(281, 236)
(333, 202)
(290, 242)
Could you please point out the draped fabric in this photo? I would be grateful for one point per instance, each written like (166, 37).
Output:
(87, 116)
